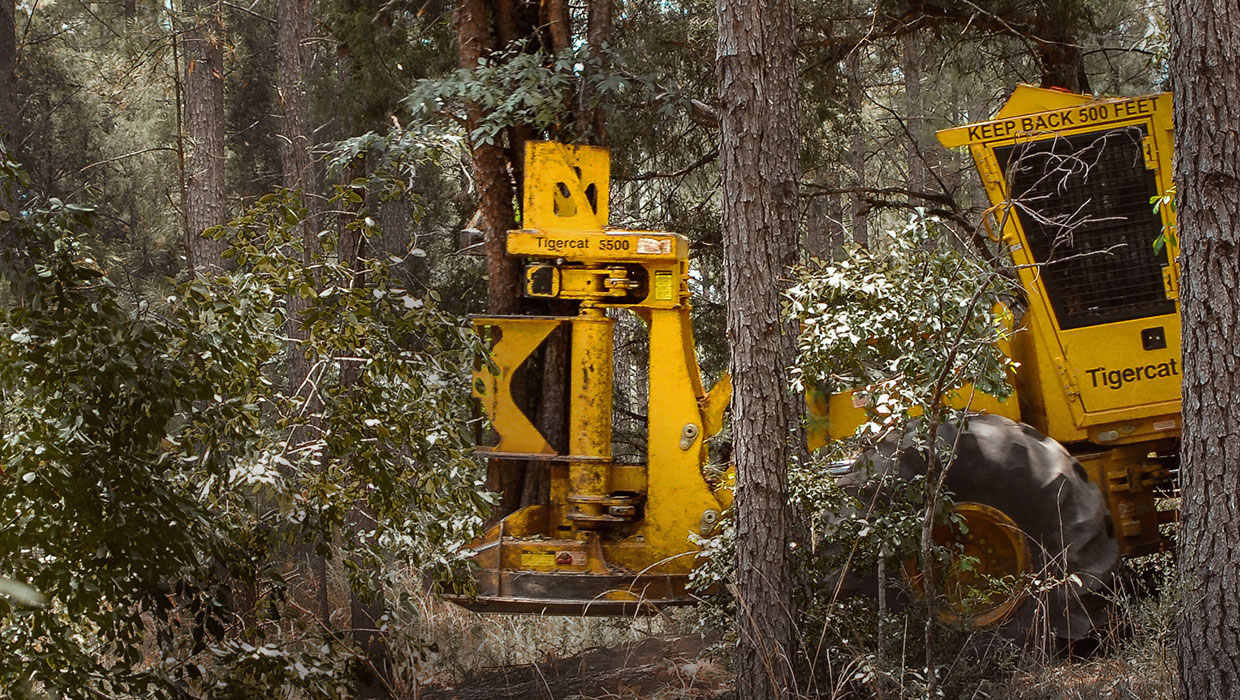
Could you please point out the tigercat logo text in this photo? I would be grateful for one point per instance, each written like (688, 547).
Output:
(1117, 378)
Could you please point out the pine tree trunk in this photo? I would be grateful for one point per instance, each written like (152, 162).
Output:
(8, 77)
(490, 174)
(293, 57)
(1063, 65)
(1205, 65)
(759, 147)
(365, 612)
(913, 116)
(598, 37)
(1056, 48)
(365, 617)
(856, 150)
(558, 25)
(204, 127)
(9, 131)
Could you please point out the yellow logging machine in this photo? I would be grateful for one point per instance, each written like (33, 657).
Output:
(1059, 482)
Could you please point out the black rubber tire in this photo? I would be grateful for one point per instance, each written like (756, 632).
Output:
(1046, 492)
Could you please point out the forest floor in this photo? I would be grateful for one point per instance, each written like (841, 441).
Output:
(669, 666)
(655, 668)
(684, 667)
(664, 657)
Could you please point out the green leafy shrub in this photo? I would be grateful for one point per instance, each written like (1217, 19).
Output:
(904, 325)
(156, 477)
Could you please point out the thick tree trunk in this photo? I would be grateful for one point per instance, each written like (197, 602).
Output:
(1063, 65)
(551, 418)
(914, 110)
(556, 20)
(365, 617)
(1205, 69)
(598, 37)
(856, 150)
(204, 127)
(365, 612)
(9, 131)
(8, 77)
(759, 145)
(1055, 45)
(293, 57)
(490, 174)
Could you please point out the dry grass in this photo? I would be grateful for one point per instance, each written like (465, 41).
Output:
(1110, 678)
(464, 643)
(438, 645)
(1138, 663)
(476, 650)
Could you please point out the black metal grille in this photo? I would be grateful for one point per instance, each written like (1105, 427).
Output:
(1084, 204)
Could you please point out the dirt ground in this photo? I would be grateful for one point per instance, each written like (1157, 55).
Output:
(650, 669)
(668, 667)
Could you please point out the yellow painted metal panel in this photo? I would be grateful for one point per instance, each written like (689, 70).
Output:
(1077, 382)
(678, 495)
(492, 383)
(589, 422)
(1027, 98)
(1031, 115)
(845, 412)
(599, 246)
(715, 404)
(1113, 371)
(566, 187)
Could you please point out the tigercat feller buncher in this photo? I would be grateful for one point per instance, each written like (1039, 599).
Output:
(1059, 481)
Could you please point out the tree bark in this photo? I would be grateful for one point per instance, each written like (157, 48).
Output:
(495, 190)
(1062, 64)
(292, 30)
(1205, 70)
(293, 57)
(914, 118)
(365, 612)
(557, 22)
(204, 127)
(759, 148)
(551, 418)
(8, 76)
(1052, 32)
(856, 150)
(598, 37)
(365, 618)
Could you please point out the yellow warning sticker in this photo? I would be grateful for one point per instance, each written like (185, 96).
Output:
(663, 286)
(533, 559)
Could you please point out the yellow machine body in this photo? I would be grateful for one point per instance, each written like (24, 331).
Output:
(614, 538)
(1070, 179)
(1098, 349)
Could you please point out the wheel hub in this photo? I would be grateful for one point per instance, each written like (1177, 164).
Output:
(984, 583)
